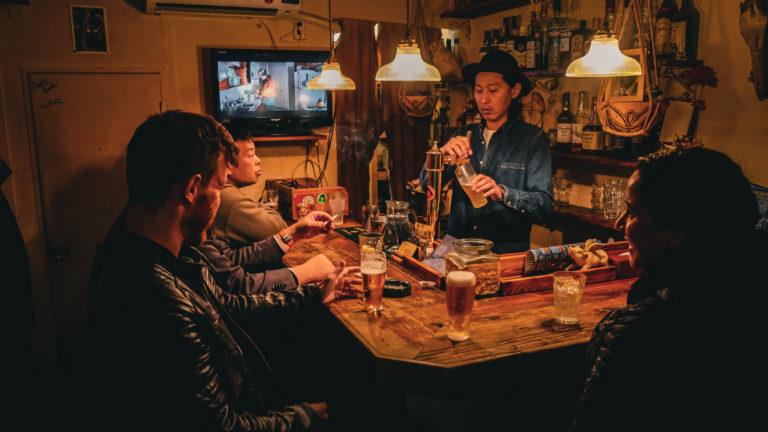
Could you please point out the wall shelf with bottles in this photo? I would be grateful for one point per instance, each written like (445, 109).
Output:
(479, 9)
(598, 160)
(546, 73)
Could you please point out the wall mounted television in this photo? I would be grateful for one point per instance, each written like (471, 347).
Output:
(265, 91)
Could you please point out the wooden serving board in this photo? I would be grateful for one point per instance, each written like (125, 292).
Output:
(511, 271)
(522, 285)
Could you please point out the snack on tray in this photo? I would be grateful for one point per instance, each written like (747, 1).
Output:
(588, 256)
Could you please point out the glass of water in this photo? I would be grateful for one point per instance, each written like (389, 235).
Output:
(567, 289)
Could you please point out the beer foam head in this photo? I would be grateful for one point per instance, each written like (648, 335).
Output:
(461, 279)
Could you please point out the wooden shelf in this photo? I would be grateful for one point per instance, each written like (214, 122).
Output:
(570, 213)
(288, 139)
(484, 8)
(604, 161)
(558, 73)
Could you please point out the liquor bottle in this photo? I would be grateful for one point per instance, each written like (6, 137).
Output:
(520, 43)
(620, 146)
(565, 125)
(448, 45)
(610, 16)
(577, 40)
(498, 42)
(544, 26)
(486, 43)
(533, 46)
(469, 113)
(592, 134)
(596, 26)
(509, 43)
(645, 28)
(685, 31)
(441, 125)
(663, 30)
(581, 120)
(560, 25)
(456, 47)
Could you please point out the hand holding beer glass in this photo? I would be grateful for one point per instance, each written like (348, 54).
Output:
(459, 299)
(373, 267)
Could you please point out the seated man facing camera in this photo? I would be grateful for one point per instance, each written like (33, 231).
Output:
(169, 349)
(241, 220)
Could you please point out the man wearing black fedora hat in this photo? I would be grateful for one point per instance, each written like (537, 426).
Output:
(511, 158)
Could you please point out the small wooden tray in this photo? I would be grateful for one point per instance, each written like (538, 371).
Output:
(511, 271)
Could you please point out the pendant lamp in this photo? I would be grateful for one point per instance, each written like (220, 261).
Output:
(604, 59)
(331, 77)
(408, 65)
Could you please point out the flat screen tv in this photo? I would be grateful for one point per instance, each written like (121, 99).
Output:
(265, 92)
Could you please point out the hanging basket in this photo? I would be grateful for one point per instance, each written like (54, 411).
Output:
(622, 117)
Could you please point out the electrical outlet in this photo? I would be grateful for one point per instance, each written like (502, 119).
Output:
(299, 30)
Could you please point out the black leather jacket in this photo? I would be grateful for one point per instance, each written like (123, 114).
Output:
(168, 349)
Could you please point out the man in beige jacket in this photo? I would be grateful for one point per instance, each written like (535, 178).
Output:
(240, 219)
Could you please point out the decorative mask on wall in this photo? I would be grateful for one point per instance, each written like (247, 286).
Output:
(753, 23)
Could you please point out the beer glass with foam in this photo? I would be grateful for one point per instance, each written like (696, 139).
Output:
(373, 267)
(459, 299)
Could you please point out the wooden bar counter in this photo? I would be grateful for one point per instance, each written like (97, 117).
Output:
(513, 339)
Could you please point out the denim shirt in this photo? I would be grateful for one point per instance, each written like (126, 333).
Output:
(518, 159)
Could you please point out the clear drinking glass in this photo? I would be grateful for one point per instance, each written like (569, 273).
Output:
(567, 289)
(465, 173)
(338, 204)
(373, 267)
(271, 199)
(370, 242)
(597, 197)
(613, 199)
(459, 299)
(370, 212)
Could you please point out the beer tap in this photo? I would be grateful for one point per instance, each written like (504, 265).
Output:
(435, 164)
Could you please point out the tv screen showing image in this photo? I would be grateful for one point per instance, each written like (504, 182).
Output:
(267, 92)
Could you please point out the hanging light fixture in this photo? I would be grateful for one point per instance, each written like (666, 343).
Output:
(330, 77)
(604, 59)
(408, 65)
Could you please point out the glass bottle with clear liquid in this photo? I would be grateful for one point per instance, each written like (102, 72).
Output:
(465, 174)
(398, 228)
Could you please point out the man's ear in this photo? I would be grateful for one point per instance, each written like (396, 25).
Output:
(192, 187)
(515, 90)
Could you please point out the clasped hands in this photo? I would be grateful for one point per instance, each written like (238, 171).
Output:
(459, 147)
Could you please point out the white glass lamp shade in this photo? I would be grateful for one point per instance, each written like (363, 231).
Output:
(408, 66)
(604, 59)
(331, 78)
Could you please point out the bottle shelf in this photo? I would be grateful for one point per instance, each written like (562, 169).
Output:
(484, 8)
(567, 214)
(546, 73)
(600, 160)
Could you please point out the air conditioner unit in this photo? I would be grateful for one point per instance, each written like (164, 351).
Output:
(257, 8)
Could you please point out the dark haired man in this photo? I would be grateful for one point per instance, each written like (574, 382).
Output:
(511, 159)
(169, 350)
(240, 220)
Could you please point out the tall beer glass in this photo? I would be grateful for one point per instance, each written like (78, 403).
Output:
(373, 267)
(459, 298)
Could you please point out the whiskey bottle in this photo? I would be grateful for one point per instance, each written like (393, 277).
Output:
(565, 125)
(592, 134)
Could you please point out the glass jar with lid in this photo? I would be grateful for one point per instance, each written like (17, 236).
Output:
(398, 228)
(475, 255)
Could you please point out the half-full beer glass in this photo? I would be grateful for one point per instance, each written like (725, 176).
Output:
(373, 267)
(459, 299)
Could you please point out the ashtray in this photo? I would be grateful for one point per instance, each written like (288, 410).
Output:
(394, 288)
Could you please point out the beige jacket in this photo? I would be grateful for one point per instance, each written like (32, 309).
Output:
(240, 219)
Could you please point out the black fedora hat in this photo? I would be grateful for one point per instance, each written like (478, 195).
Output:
(500, 62)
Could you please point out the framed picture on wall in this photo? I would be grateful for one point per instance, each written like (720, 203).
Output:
(89, 29)
(628, 88)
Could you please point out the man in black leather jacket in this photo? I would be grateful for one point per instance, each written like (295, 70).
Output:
(168, 347)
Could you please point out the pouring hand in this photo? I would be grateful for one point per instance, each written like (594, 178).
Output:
(457, 146)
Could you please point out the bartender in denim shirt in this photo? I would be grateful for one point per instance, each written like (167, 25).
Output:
(511, 158)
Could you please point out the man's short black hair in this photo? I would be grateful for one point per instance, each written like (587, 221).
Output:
(168, 149)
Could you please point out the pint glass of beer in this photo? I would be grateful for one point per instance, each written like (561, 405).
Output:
(459, 298)
(373, 267)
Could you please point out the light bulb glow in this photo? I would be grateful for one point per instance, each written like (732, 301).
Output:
(604, 59)
(408, 66)
(331, 78)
